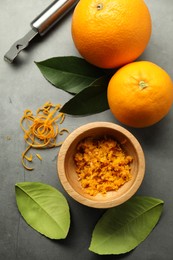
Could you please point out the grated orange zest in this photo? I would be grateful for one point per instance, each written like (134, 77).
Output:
(102, 165)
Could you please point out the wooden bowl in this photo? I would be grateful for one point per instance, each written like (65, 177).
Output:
(68, 176)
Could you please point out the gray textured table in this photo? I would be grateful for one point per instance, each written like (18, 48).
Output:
(22, 86)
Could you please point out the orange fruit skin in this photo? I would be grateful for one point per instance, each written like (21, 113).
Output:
(140, 94)
(111, 33)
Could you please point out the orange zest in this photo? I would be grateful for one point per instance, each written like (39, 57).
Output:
(102, 165)
(39, 156)
(41, 130)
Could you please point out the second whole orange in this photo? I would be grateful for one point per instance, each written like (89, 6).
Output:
(140, 94)
(111, 33)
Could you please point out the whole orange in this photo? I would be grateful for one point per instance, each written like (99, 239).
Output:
(111, 33)
(140, 94)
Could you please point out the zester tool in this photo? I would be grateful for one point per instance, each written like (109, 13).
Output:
(41, 25)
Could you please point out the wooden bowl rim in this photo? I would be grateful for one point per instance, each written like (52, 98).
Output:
(94, 203)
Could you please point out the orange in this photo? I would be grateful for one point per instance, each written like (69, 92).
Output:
(111, 33)
(140, 94)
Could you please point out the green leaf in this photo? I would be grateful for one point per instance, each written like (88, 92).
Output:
(69, 73)
(123, 228)
(91, 100)
(44, 208)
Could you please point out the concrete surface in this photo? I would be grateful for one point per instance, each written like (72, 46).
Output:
(22, 86)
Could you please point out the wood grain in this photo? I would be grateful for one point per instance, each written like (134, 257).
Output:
(68, 175)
